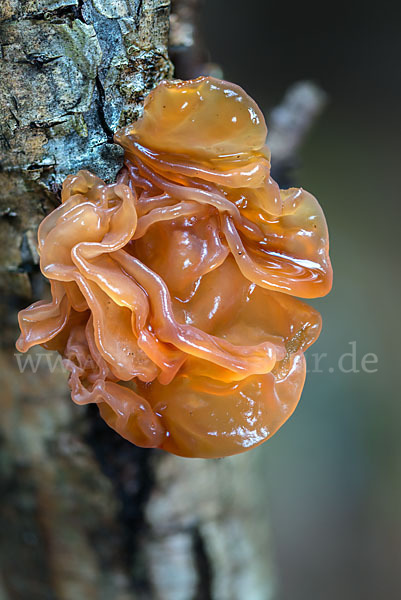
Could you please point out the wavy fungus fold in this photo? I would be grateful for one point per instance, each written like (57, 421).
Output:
(173, 290)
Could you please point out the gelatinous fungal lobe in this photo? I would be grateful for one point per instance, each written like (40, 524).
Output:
(174, 290)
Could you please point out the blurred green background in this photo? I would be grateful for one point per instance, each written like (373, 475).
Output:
(332, 475)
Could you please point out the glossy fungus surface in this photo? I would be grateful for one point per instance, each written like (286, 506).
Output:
(174, 291)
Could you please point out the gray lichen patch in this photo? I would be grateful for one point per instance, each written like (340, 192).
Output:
(71, 73)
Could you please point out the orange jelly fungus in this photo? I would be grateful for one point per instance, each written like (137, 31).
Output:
(174, 290)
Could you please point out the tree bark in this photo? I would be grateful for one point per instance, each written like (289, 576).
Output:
(84, 514)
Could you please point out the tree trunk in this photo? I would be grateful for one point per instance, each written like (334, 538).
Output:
(84, 514)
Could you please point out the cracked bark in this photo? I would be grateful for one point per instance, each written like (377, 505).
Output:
(84, 514)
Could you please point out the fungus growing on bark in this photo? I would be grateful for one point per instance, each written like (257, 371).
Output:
(173, 290)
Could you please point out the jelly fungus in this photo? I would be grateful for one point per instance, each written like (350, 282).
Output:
(174, 289)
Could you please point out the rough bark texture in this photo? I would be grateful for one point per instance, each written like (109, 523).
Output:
(71, 73)
(84, 514)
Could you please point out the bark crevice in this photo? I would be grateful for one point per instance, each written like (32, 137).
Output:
(89, 515)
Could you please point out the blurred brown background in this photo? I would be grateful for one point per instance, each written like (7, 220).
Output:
(333, 473)
(316, 511)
